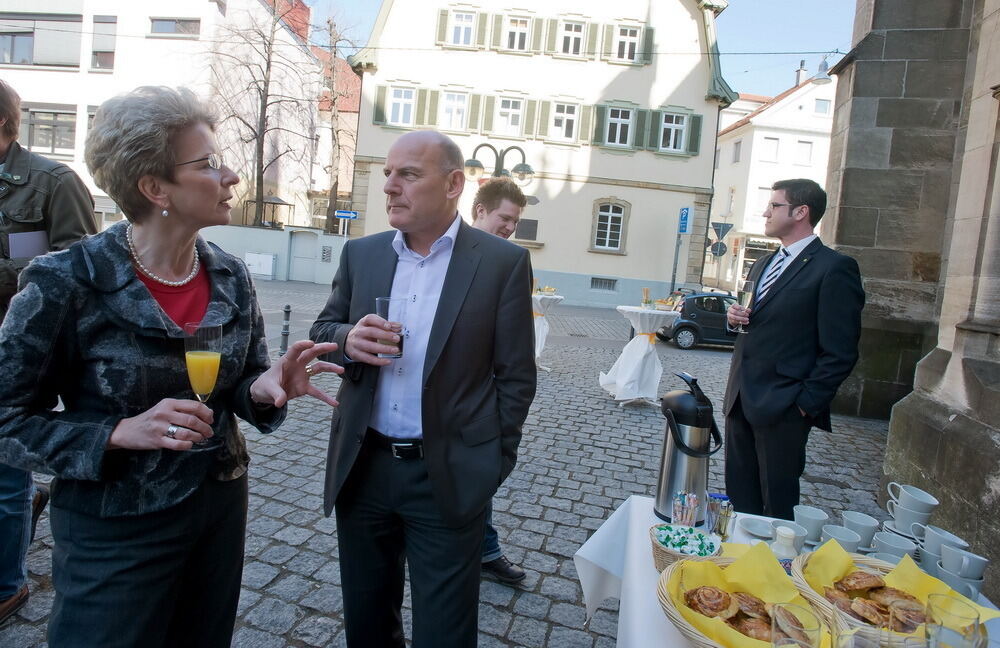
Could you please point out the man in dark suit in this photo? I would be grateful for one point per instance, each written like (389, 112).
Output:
(803, 326)
(419, 444)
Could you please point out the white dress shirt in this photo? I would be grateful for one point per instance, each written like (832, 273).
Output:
(397, 408)
(794, 250)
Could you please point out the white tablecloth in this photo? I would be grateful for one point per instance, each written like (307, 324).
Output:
(617, 562)
(541, 304)
(636, 373)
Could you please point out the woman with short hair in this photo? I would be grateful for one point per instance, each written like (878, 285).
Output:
(149, 499)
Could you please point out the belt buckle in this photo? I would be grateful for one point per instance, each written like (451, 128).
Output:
(398, 450)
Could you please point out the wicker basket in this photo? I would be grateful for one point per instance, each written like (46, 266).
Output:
(691, 633)
(829, 611)
(663, 557)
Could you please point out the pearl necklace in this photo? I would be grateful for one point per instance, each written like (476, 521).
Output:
(149, 273)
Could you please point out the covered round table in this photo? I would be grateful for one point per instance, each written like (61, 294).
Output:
(636, 373)
(540, 305)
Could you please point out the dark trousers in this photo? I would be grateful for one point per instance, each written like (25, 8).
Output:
(169, 578)
(764, 463)
(386, 515)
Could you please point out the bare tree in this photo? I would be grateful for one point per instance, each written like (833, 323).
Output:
(338, 134)
(266, 90)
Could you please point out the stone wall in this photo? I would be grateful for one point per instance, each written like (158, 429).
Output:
(895, 135)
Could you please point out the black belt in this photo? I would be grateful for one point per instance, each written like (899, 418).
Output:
(400, 448)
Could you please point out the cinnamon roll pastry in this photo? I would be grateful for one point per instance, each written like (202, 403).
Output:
(751, 606)
(712, 602)
(888, 595)
(841, 601)
(858, 581)
(754, 628)
(870, 611)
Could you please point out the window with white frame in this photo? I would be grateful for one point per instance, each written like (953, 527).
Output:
(610, 223)
(17, 47)
(823, 106)
(737, 150)
(453, 110)
(626, 43)
(49, 133)
(509, 116)
(803, 152)
(674, 128)
(462, 24)
(401, 106)
(517, 33)
(619, 126)
(769, 149)
(564, 121)
(187, 27)
(572, 38)
(103, 48)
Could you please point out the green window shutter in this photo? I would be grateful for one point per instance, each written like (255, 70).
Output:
(442, 33)
(537, 25)
(609, 38)
(421, 116)
(529, 117)
(544, 110)
(481, 26)
(586, 117)
(490, 105)
(593, 31)
(655, 128)
(474, 101)
(550, 41)
(497, 34)
(694, 135)
(648, 46)
(639, 136)
(378, 114)
(600, 115)
(432, 108)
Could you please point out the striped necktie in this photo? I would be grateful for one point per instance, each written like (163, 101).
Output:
(772, 275)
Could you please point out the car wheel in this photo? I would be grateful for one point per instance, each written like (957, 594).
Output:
(685, 338)
(662, 334)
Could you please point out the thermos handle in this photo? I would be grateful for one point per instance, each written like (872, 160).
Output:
(683, 447)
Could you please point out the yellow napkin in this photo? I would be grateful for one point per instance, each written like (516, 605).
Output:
(757, 571)
(829, 563)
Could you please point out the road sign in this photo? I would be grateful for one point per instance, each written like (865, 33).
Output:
(721, 229)
(682, 227)
(718, 249)
(343, 213)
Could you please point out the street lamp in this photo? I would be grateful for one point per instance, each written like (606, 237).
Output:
(822, 77)
(522, 173)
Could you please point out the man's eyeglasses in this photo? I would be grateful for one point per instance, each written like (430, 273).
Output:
(774, 205)
(214, 161)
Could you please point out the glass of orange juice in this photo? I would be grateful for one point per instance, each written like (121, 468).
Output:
(202, 353)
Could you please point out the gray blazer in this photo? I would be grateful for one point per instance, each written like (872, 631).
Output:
(479, 372)
(84, 327)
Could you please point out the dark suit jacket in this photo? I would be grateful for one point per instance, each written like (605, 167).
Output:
(803, 338)
(479, 372)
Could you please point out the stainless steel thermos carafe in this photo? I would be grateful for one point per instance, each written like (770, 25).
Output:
(687, 445)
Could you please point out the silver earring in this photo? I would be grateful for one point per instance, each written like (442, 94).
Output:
(164, 213)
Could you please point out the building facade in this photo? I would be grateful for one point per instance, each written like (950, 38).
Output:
(65, 57)
(762, 140)
(615, 109)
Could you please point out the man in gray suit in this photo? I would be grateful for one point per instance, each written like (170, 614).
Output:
(419, 444)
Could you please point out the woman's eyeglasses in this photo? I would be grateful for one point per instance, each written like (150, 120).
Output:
(214, 161)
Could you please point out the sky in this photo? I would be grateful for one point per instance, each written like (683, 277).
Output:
(761, 41)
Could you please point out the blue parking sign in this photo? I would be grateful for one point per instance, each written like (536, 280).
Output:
(682, 227)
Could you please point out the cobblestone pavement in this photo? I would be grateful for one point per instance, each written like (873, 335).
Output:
(581, 457)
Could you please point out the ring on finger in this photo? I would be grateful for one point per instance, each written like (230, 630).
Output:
(311, 370)
(172, 431)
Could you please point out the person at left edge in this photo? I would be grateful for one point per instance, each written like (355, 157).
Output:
(149, 499)
(44, 207)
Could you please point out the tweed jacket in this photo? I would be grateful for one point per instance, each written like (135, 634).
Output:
(83, 327)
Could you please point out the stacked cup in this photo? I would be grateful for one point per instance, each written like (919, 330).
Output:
(909, 506)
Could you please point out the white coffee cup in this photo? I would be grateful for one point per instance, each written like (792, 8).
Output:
(812, 519)
(800, 532)
(968, 587)
(932, 538)
(929, 562)
(904, 517)
(892, 559)
(912, 497)
(848, 540)
(864, 525)
(885, 542)
(963, 563)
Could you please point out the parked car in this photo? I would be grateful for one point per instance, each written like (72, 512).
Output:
(702, 321)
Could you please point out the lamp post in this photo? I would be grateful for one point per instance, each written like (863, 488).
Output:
(522, 173)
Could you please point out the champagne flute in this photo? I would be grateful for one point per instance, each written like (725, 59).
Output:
(793, 626)
(202, 354)
(744, 295)
(951, 623)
